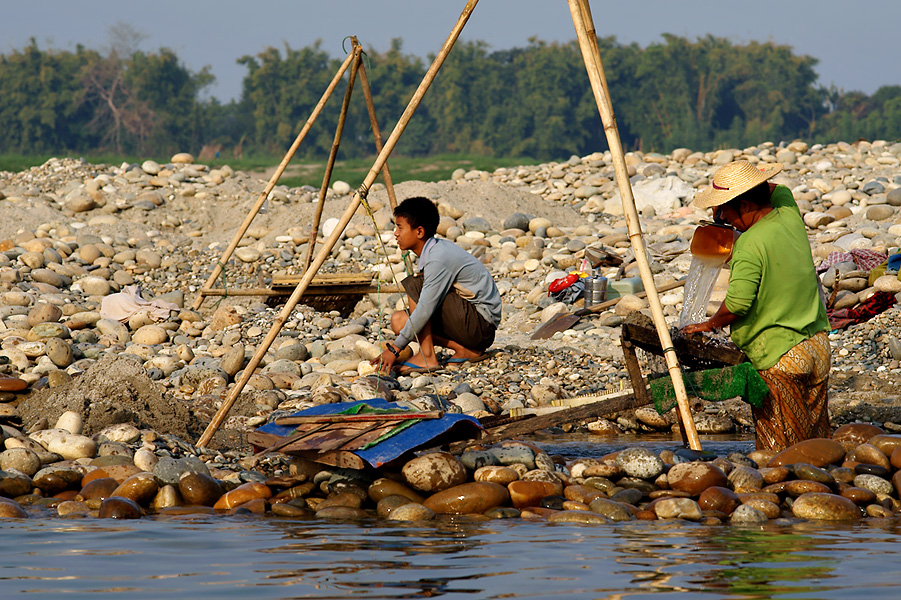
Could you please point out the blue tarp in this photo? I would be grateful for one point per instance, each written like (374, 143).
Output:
(416, 436)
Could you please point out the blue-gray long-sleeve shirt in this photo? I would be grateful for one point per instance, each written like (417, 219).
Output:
(444, 265)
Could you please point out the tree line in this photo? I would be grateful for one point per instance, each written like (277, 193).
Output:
(533, 101)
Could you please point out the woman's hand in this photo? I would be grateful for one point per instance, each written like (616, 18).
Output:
(698, 328)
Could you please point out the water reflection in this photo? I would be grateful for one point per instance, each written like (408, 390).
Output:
(261, 558)
(269, 558)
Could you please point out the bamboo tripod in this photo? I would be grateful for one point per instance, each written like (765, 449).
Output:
(582, 21)
(353, 61)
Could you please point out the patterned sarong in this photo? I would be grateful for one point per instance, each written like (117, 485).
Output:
(796, 407)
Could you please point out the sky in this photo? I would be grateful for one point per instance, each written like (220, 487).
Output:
(855, 45)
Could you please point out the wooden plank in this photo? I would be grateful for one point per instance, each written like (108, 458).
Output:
(345, 439)
(350, 290)
(639, 385)
(335, 458)
(325, 279)
(288, 440)
(360, 441)
(693, 352)
(567, 415)
(303, 419)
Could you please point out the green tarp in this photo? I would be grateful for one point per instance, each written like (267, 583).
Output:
(713, 384)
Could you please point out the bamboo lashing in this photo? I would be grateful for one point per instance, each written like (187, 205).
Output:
(581, 15)
(232, 397)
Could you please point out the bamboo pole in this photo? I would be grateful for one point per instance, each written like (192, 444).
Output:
(339, 229)
(377, 134)
(220, 264)
(581, 15)
(333, 153)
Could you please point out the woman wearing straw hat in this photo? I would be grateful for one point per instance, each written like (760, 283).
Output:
(773, 304)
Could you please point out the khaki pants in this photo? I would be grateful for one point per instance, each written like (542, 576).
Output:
(456, 319)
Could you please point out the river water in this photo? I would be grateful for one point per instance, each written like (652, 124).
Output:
(265, 557)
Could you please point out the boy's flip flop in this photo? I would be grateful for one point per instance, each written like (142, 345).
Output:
(406, 368)
(456, 363)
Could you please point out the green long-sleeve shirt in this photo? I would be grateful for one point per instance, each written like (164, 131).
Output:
(773, 286)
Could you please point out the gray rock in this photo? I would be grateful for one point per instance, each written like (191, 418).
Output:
(479, 224)
(639, 462)
(874, 483)
(22, 460)
(873, 187)
(893, 197)
(317, 349)
(169, 470)
(747, 514)
(880, 212)
(233, 360)
(366, 388)
(339, 332)
(610, 509)
(469, 403)
(518, 221)
(509, 455)
(282, 366)
(476, 459)
(295, 352)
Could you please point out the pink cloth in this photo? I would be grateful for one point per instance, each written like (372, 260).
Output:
(864, 259)
(120, 307)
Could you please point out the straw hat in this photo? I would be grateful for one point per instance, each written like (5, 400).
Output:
(732, 180)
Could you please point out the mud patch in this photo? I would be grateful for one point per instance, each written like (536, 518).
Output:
(115, 389)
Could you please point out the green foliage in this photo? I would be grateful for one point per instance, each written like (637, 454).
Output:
(41, 107)
(856, 116)
(533, 102)
(433, 168)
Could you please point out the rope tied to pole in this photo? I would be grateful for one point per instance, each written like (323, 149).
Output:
(363, 192)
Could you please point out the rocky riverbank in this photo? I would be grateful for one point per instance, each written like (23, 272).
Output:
(72, 234)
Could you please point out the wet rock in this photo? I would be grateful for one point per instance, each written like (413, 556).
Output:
(199, 488)
(242, 494)
(695, 477)
(718, 498)
(614, 511)
(747, 513)
(119, 508)
(476, 497)
(530, 493)
(677, 508)
(827, 507)
(639, 462)
(434, 472)
(411, 512)
(578, 516)
(818, 452)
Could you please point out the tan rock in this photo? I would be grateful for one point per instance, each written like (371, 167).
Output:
(529, 493)
(695, 477)
(434, 472)
(827, 507)
(496, 474)
(140, 487)
(476, 497)
(241, 494)
(224, 317)
(818, 452)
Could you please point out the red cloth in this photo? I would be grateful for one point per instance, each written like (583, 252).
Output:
(872, 306)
